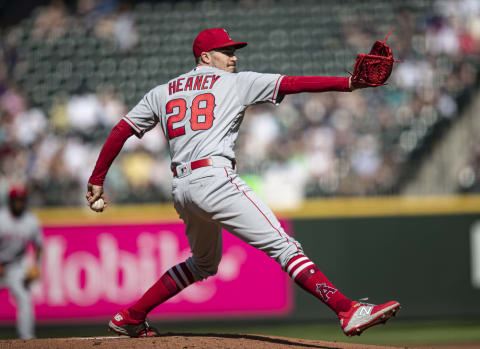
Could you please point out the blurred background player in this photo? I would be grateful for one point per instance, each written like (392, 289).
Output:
(19, 228)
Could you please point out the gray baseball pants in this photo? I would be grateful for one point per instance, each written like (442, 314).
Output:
(13, 279)
(215, 197)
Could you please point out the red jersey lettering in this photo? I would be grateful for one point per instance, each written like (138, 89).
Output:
(179, 84)
(206, 80)
(214, 80)
(198, 83)
(181, 107)
(171, 87)
(188, 85)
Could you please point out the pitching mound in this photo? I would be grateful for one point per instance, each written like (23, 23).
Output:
(184, 341)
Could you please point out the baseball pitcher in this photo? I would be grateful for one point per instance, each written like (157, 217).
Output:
(200, 113)
(19, 228)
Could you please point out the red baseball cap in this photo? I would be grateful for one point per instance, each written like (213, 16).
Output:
(17, 192)
(210, 39)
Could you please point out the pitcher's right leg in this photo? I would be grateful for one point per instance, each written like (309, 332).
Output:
(131, 322)
(205, 241)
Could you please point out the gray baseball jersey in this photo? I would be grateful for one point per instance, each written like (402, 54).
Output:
(200, 113)
(15, 234)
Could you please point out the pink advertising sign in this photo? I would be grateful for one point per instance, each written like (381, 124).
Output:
(94, 271)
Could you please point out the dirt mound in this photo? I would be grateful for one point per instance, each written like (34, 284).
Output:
(184, 341)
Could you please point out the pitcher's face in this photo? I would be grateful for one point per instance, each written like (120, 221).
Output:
(224, 58)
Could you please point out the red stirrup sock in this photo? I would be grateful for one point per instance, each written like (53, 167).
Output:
(311, 279)
(171, 283)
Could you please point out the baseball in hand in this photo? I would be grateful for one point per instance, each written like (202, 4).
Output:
(98, 205)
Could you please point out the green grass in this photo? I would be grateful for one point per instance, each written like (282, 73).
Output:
(396, 332)
(400, 333)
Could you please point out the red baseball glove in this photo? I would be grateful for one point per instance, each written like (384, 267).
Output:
(375, 68)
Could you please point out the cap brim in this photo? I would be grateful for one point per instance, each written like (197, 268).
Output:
(236, 44)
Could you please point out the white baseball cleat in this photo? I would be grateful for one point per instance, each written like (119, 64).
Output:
(363, 315)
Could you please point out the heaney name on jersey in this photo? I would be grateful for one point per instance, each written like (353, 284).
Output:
(200, 82)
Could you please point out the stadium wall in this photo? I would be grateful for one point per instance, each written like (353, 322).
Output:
(422, 251)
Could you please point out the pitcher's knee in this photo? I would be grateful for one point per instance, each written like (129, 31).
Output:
(288, 253)
(203, 269)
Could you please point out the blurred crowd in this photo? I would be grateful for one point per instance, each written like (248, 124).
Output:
(311, 145)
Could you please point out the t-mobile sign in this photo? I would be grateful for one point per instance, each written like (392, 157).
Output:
(94, 271)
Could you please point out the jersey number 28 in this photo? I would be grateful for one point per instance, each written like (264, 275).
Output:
(201, 112)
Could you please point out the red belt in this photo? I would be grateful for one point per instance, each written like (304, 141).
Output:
(196, 164)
